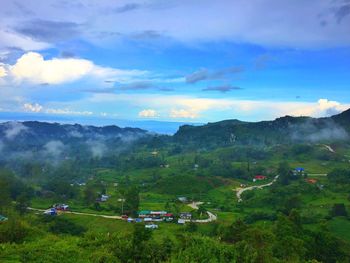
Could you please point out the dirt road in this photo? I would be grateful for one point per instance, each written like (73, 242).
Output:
(211, 217)
(240, 191)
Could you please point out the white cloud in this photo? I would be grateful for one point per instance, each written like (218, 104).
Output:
(148, 113)
(68, 112)
(2, 71)
(214, 109)
(33, 107)
(33, 68)
(183, 114)
(14, 129)
(54, 148)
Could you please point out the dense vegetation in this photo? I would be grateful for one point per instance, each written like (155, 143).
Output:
(302, 217)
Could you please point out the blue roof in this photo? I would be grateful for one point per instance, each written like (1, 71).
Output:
(300, 169)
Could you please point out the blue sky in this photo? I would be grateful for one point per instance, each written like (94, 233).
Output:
(174, 61)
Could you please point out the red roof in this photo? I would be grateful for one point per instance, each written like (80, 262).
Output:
(168, 215)
(260, 177)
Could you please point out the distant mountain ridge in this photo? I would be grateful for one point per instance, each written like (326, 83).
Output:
(33, 139)
(282, 130)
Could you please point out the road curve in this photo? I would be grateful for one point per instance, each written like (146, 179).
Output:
(211, 217)
(240, 191)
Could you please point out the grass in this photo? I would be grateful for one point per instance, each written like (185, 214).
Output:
(340, 226)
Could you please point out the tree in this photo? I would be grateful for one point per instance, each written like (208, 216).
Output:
(132, 200)
(284, 172)
(339, 210)
(89, 194)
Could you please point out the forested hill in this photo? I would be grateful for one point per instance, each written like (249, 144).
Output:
(281, 130)
(41, 140)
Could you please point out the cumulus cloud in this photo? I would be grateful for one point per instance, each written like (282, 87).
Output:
(33, 68)
(14, 129)
(148, 113)
(32, 107)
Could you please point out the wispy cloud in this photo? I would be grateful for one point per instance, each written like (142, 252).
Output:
(223, 89)
(48, 31)
(205, 74)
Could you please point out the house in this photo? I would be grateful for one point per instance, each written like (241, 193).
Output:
(104, 198)
(168, 217)
(3, 218)
(299, 170)
(311, 181)
(185, 215)
(51, 212)
(259, 177)
(151, 226)
(61, 207)
(181, 221)
(144, 213)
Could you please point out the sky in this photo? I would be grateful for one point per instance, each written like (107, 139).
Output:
(174, 61)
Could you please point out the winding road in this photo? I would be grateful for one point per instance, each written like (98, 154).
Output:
(211, 217)
(240, 191)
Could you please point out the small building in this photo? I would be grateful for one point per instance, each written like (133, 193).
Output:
(181, 221)
(144, 213)
(148, 219)
(311, 181)
(259, 177)
(182, 199)
(61, 207)
(51, 212)
(186, 215)
(151, 226)
(299, 171)
(104, 198)
(168, 217)
(130, 220)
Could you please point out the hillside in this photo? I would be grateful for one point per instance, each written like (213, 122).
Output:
(41, 140)
(282, 130)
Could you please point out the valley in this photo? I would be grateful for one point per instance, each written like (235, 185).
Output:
(123, 186)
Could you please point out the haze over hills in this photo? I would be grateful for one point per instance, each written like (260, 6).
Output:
(32, 138)
(282, 130)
